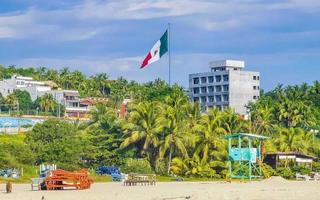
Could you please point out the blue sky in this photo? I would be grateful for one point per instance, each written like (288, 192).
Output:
(279, 38)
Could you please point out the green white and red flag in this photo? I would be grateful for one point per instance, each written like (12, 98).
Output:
(157, 51)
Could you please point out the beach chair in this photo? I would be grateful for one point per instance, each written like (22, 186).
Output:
(36, 183)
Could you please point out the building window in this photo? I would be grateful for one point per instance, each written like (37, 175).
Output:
(210, 79)
(195, 80)
(195, 99)
(254, 87)
(225, 78)
(211, 89)
(218, 98)
(203, 79)
(254, 97)
(226, 88)
(218, 88)
(258, 77)
(219, 107)
(218, 78)
(211, 99)
(196, 91)
(225, 97)
(203, 90)
(254, 77)
(203, 99)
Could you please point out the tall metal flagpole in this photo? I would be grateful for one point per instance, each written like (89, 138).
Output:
(169, 43)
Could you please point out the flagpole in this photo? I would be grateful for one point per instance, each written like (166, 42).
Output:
(169, 43)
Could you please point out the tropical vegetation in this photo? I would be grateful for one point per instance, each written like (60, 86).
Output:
(162, 132)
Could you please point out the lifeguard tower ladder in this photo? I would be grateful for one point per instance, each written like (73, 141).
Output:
(245, 155)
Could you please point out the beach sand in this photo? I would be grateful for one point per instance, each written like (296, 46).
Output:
(272, 189)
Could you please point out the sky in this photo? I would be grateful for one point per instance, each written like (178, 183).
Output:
(278, 38)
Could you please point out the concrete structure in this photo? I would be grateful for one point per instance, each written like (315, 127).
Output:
(69, 98)
(35, 88)
(226, 85)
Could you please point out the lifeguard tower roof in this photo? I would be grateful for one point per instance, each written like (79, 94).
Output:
(236, 135)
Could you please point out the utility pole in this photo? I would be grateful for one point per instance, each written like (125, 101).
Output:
(169, 51)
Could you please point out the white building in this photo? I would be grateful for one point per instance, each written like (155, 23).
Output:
(69, 98)
(35, 88)
(226, 85)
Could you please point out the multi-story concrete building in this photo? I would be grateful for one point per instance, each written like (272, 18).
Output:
(226, 85)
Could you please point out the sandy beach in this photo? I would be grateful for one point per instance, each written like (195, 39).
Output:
(275, 189)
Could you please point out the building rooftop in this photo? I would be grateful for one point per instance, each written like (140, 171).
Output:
(227, 63)
(22, 78)
(297, 154)
(250, 135)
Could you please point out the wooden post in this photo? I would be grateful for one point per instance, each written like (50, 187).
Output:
(250, 159)
(230, 162)
(8, 187)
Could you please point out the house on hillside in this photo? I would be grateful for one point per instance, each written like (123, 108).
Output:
(68, 98)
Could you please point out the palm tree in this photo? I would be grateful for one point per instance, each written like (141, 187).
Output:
(209, 131)
(173, 116)
(47, 103)
(41, 71)
(293, 139)
(11, 101)
(193, 114)
(232, 122)
(102, 83)
(143, 129)
(176, 137)
(263, 120)
(65, 79)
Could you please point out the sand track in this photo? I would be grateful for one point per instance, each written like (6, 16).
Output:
(273, 189)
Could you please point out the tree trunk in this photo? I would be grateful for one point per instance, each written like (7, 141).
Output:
(169, 161)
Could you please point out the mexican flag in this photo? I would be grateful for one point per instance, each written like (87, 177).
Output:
(157, 51)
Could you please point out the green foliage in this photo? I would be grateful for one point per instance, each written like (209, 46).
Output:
(57, 142)
(24, 100)
(102, 138)
(293, 106)
(302, 169)
(14, 153)
(132, 165)
(163, 132)
(285, 172)
(267, 170)
(143, 130)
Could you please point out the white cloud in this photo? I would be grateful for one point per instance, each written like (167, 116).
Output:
(302, 5)
(63, 24)
(140, 9)
(89, 65)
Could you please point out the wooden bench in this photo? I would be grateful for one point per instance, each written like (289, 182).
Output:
(143, 179)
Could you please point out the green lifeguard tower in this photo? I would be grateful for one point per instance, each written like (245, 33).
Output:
(245, 152)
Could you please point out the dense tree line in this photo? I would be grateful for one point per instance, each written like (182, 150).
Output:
(165, 133)
(98, 85)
